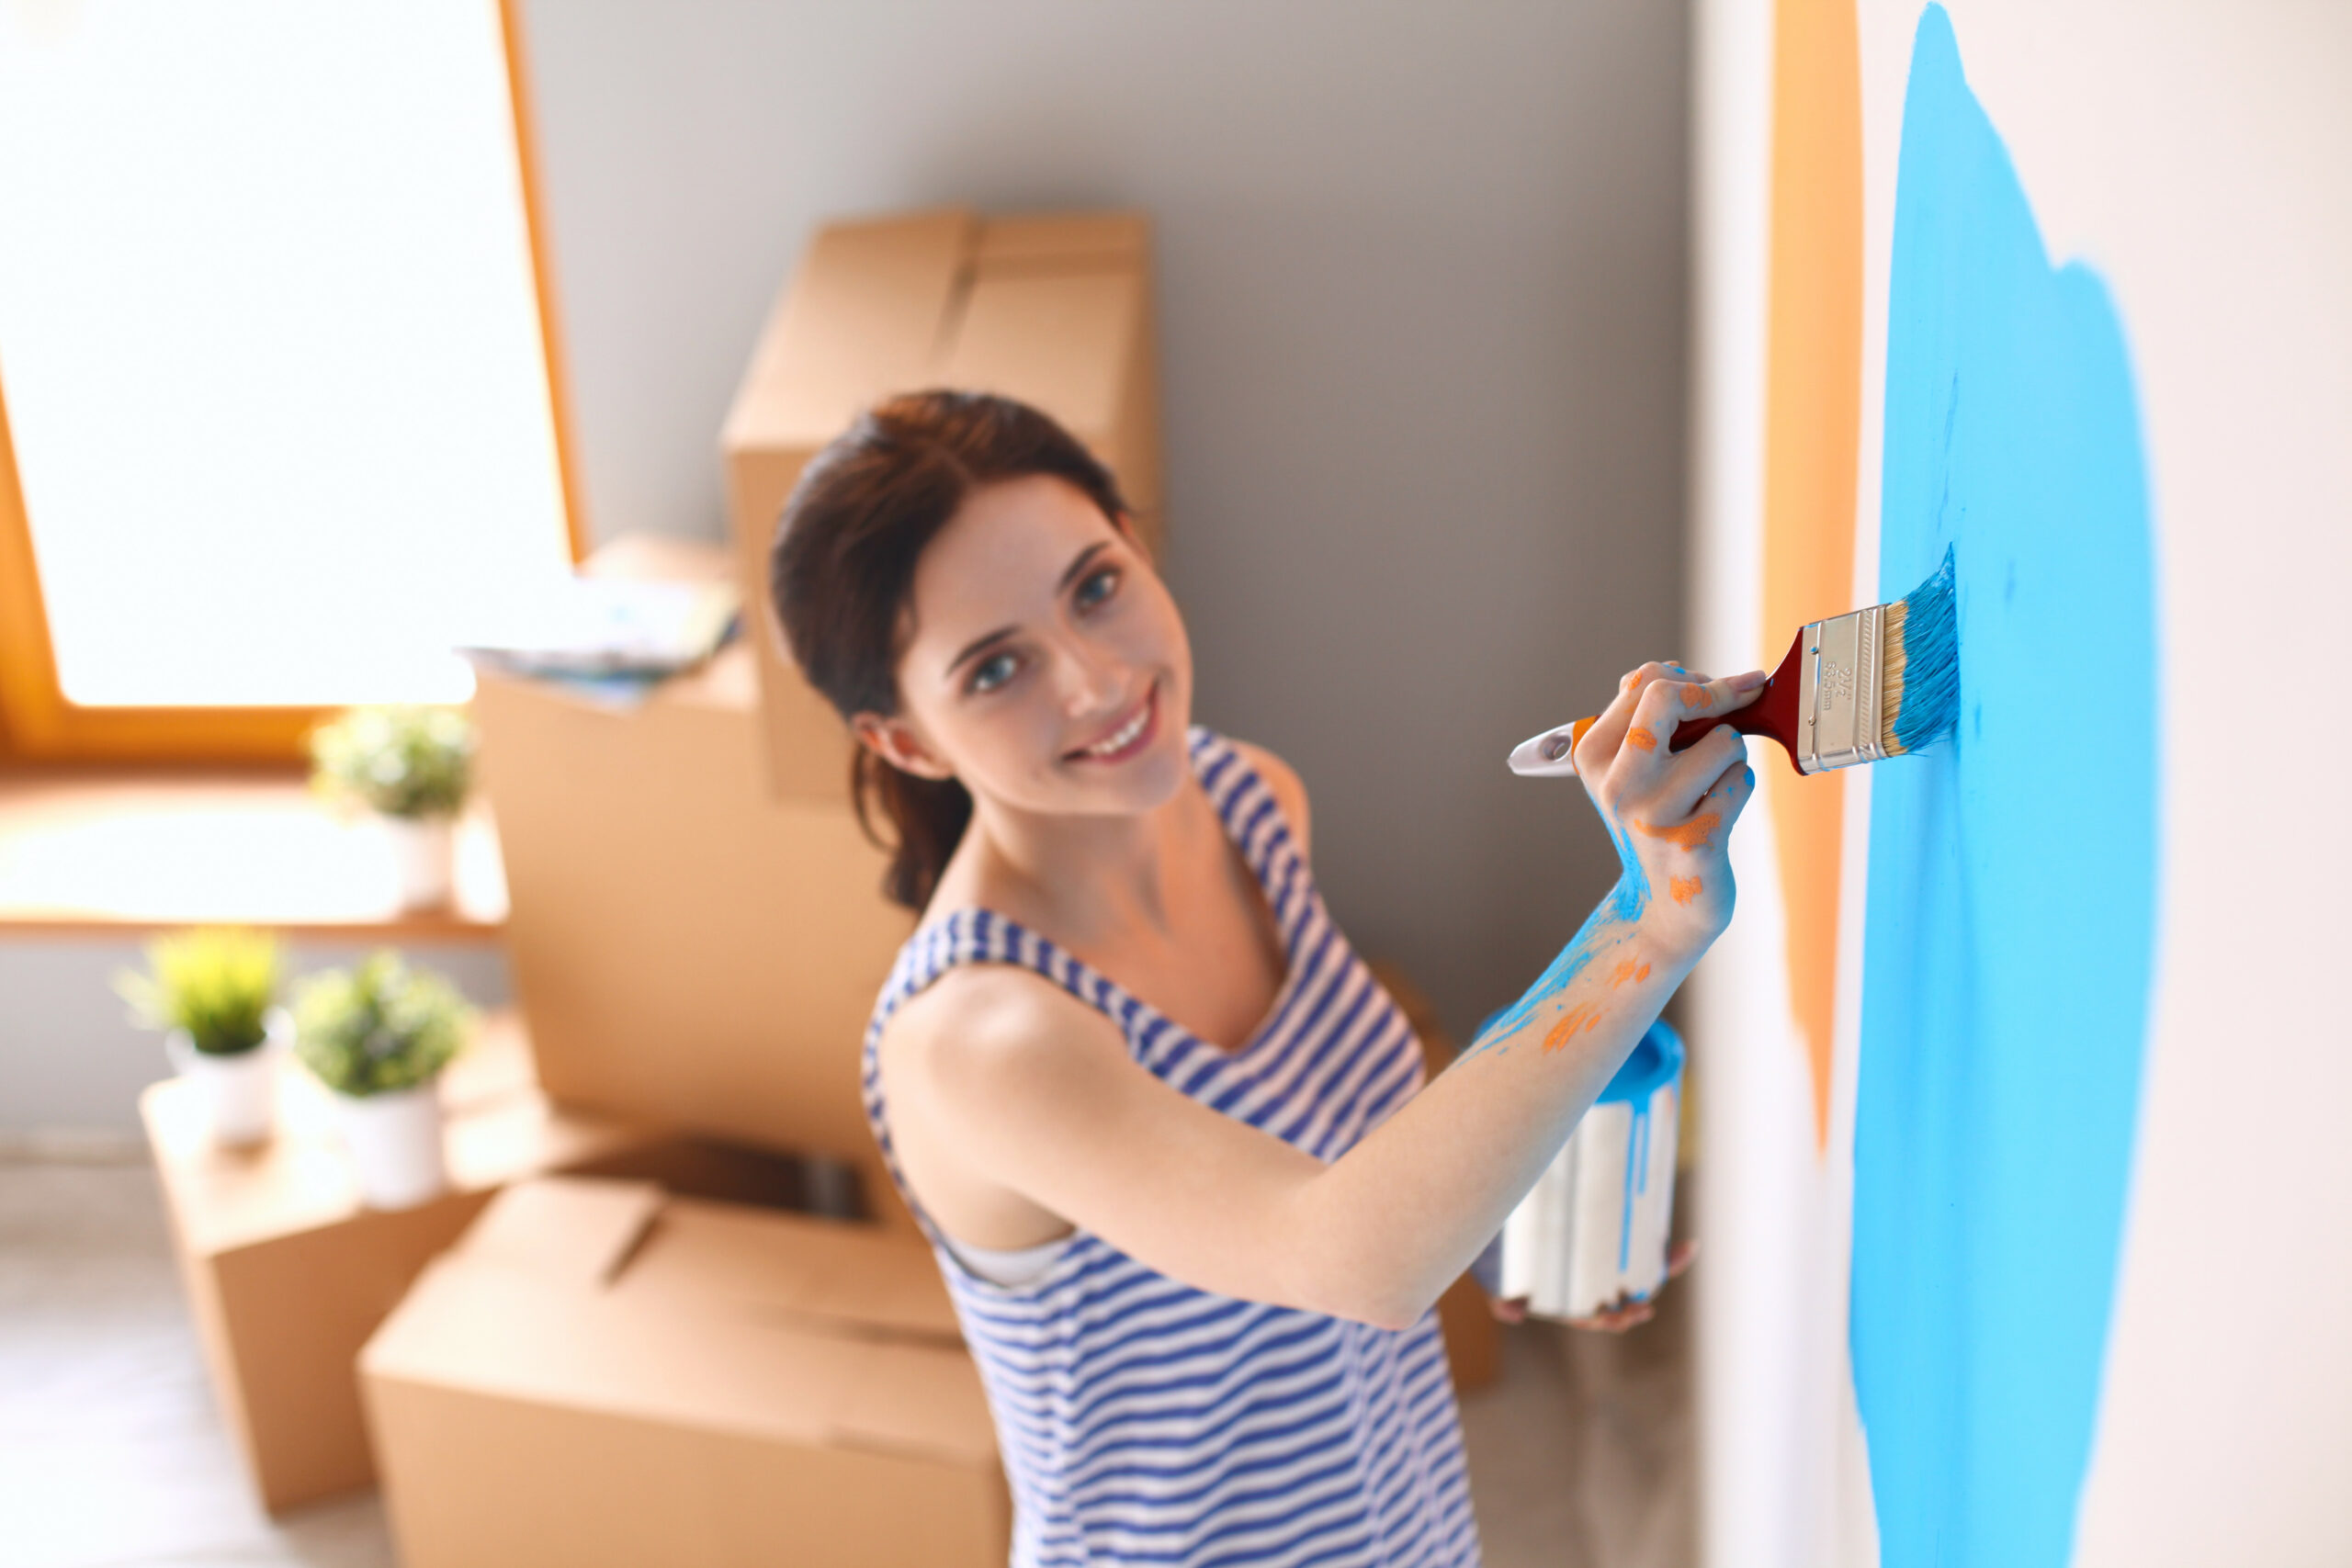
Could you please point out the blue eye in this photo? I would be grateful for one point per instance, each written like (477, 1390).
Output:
(992, 673)
(1095, 587)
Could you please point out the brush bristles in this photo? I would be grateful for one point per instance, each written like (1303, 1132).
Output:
(1919, 674)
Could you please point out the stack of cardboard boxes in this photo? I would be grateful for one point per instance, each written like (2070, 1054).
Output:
(288, 1273)
(606, 1370)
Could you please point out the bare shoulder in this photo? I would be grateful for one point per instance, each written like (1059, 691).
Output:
(1290, 794)
(984, 1030)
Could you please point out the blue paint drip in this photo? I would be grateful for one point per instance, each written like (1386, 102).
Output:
(1930, 661)
(2012, 887)
(1637, 1169)
(1621, 906)
(1656, 1062)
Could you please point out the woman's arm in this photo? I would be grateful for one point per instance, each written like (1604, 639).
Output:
(1031, 1091)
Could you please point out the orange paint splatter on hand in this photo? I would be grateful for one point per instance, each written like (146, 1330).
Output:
(1694, 696)
(1581, 1019)
(1682, 889)
(1629, 970)
(1695, 834)
(1642, 739)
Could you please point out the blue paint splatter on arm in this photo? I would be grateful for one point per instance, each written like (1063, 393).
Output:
(1602, 928)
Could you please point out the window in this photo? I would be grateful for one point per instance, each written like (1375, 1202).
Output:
(273, 365)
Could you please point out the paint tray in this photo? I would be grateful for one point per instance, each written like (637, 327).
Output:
(1592, 1232)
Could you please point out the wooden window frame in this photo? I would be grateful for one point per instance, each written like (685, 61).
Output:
(38, 723)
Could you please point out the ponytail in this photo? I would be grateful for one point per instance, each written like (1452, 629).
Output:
(927, 819)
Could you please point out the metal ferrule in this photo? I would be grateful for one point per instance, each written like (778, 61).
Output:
(1838, 691)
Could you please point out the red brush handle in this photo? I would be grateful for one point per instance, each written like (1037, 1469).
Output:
(1773, 714)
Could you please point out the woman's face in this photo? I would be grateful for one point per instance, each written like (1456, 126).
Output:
(1047, 667)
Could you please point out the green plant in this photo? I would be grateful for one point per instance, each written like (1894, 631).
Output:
(215, 982)
(401, 758)
(380, 1027)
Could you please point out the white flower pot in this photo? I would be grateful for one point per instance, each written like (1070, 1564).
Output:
(395, 1143)
(238, 1093)
(425, 853)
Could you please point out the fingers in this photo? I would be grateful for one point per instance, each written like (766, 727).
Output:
(1642, 761)
(1601, 743)
(1617, 1319)
(1702, 698)
(1628, 1313)
(1681, 695)
(1708, 764)
(1731, 792)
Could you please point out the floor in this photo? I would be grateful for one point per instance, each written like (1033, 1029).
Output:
(111, 1456)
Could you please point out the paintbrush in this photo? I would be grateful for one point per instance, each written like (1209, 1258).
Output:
(1878, 682)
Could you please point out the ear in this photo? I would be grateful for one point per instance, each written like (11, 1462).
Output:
(899, 744)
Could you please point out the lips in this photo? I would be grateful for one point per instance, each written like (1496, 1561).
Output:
(1131, 736)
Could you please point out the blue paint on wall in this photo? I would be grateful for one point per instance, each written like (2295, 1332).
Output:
(2012, 884)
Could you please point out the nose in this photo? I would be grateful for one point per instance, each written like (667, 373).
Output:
(1092, 681)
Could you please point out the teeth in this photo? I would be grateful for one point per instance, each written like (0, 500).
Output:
(1126, 734)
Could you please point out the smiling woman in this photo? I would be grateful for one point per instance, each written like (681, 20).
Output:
(280, 413)
(1170, 1141)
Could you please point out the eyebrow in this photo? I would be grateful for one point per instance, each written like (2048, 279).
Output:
(1070, 574)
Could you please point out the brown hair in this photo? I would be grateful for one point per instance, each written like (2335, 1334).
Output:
(842, 570)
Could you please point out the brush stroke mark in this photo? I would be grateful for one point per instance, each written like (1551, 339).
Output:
(1581, 1019)
(1694, 696)
(2012, 885)
(1641, 739)
(1813, 426)
(1696, 834)
(1682, 889)
(1629, 969)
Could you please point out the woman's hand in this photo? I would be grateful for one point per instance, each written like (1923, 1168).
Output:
(1615, 1319)
(1672, 812)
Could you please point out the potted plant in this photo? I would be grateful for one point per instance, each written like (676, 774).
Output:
(412, 764)
(378, 1036)
(213, 992)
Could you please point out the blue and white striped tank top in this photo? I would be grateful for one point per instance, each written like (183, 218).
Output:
(1142, 1420)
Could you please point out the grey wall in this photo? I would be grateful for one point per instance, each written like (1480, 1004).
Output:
(1421, 276)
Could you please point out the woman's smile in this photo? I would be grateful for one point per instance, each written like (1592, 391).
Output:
(1131, 734)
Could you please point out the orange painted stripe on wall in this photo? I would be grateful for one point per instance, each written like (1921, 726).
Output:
(1811, 437)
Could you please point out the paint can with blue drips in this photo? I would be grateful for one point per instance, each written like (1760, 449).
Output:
(1592, 1232)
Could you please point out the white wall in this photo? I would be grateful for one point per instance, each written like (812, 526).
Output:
(1421, 281)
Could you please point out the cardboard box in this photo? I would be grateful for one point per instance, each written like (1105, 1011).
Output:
(689, 950)
(287, 1274)
(1052, 309)
(600, 1374)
